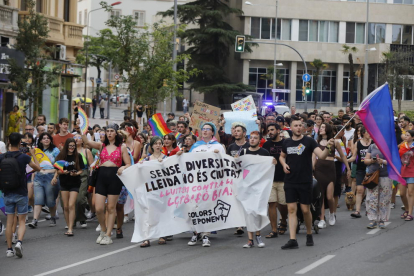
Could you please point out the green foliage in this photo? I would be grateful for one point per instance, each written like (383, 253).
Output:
(269, 76)
(398, 67)
(30, 82)
(209, 43)
(144, 55)
(319, 66)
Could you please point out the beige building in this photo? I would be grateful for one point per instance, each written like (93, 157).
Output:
(318, 29)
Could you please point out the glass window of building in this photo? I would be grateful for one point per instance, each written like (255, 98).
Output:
(262, 80)
(407, 35)
(283, 29)
(265, 31)
(396, 34)
(326, 86)
(255, 27)
(264, 28)
(376, 33)
(303, 30)
(345, 88)
(322, 31)
(355, 33)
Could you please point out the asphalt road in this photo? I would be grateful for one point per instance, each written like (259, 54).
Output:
(348, 248)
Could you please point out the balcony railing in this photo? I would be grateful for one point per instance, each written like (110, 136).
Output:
(73, 35)
(8, 18)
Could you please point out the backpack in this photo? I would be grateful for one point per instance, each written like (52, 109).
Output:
(10, 175)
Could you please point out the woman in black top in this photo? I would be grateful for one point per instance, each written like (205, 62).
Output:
(358, 154)
(70, 180)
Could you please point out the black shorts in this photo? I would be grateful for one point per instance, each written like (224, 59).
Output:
(301, 192)
(360, 175)
(139, 114)
(69, 189)
(108, 183)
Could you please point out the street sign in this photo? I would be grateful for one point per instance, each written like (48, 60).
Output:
(116, 76)
(92, 79)
(98, 81)
(306, 77)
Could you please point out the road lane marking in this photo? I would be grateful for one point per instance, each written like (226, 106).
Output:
(315, 264)
(372, 232)
(87, 261)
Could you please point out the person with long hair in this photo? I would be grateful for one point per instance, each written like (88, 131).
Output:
(82, 199)
(407, 172)
(45, 192)
(359, 152)
(325, 172)
(379, 198)
(170, 145)
(108, 185)
(156, 148)
(132, 145)
(70, 181)
(318, 122)
(351, 144)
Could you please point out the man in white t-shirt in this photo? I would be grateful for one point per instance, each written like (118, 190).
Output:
(185, 105)
(349, 130)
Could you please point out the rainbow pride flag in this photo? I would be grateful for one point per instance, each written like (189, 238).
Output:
(60, 165)
(177, 135)
(158, 125)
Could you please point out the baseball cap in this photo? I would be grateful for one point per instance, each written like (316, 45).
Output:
(280, 119)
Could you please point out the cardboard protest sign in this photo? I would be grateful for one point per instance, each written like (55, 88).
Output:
(202, 113)
(200, 192)
(247, 117)
(244, 104)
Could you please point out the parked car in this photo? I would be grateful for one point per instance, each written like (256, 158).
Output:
(122, 98)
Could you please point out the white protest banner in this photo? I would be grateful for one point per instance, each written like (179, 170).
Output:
(244, 104)
(203, 113)
(200, 192)
(247, 117)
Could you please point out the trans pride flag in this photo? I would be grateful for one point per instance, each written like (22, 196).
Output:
(377, 116)
(158, 125)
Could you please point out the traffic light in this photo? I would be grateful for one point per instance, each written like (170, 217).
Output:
(240, 41)
(117, 84)
(308, 89)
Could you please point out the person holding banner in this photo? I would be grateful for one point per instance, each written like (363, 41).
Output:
(108, 185)
(156, 147)
(207, 144)
(170, 145)
(254, 149)
(240, 143)
(296, 159)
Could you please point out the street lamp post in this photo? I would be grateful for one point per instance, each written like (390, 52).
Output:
(365, 91)
(174, 54)
(86, 50)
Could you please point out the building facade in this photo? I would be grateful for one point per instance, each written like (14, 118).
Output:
(318, 29)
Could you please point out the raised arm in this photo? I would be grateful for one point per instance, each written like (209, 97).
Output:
(91, 144)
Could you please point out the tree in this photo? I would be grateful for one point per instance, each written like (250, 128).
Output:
(398, 66)
(145, 56)
(30, 81)
(319, 66)
(209, 43)
(349, 51)
(101, 51)
(269, 76)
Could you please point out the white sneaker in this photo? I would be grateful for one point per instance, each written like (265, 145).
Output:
(98, 229)
(332, 219)
(106, 240)
(206, 242)
(126, 219)
(260, 243)
(100, 237)
(248, 245)
(89, 215)
(10, 253)
(322, 224)
(19, 250)
(194, 239)
(115, 226)
(47, 217)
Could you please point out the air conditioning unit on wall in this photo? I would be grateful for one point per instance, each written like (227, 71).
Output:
(60, 53)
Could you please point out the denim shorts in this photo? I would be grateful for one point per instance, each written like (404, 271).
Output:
(44, 192)
(409, 180)
(16, 201)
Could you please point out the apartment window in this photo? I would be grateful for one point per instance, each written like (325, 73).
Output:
(39, 6)
(345, 88)
(355, 33)
(257, 78)
(264, 28)
(402, 34)
(66, 13)
(85, 19)
(376, 33)
(23, 6)
(326, 86)
(410, 2)
(80, 18)
(322, 31)
(115, 13)
(139, 17)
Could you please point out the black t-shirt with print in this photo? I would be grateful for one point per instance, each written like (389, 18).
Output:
(260, 151)
(299, 159)
(275, 149)
(71, 181)
(235, 149)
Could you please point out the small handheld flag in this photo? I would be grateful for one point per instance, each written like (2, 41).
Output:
(83, 120)
(177, 135)
(60, 165)
(158, 125)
